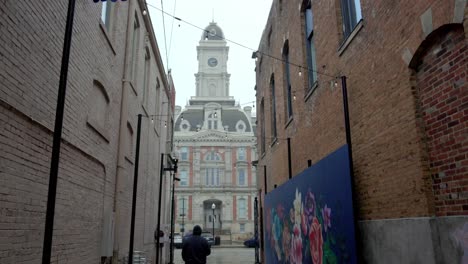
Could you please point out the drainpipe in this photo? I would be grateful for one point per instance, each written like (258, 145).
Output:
(120, 173)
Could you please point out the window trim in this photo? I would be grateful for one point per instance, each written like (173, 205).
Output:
(350, 38)
(349, 12)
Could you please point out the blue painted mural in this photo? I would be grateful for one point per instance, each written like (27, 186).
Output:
(310, 218)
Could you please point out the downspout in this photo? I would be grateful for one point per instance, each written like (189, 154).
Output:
(120, 175)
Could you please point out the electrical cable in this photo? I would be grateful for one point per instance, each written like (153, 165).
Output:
(241, 45)
(164, 29)
(172, 30)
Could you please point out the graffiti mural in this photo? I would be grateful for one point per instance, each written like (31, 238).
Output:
(310, 219)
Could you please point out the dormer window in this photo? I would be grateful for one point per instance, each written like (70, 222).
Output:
(212, 121)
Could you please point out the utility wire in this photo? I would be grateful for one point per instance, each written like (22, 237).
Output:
(164, 29)
(241, 45)
(172, 30)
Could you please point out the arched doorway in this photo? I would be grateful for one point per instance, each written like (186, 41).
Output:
(212, 212)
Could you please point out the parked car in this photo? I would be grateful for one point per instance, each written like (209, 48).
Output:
(177, 240)
(251, 242)
(209, 237)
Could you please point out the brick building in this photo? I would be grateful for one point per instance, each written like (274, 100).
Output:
(214, 139)
(406, 69)
(115, 73)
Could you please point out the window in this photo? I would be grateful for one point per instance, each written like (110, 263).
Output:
(135, 43)
(99, 110)
(241, 154)
(183, 175)
(212, 156)
(130, 140)
(182, 206)
(241, 177)
(311, 61)
(242, 208)
(273, 107)
(212, 176)
(262, 124)
(183, 153)
(287, 78)
(242, 228)
(106, 14)
(100, 103)
(213, 121)
(351, 13)
(146, 74)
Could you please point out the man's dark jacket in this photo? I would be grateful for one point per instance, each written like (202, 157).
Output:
(195, 249)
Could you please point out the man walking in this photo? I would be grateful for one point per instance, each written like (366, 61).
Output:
(195, 248)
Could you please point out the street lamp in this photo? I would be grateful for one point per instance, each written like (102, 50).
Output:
(213, 206)
(171, 261)
(183, 215)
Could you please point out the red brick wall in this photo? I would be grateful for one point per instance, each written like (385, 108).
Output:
(441, 81)
(390, 174)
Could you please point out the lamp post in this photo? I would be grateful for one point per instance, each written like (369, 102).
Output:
(171, 249)
(174, 169)
(213, 207)
(182, 230)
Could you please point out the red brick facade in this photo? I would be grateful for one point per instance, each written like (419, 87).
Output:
(441, 85)
(391, 168)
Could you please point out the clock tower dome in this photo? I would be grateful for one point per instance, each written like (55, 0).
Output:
(212, 79)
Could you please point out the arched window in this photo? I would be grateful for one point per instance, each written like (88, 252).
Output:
(287, 83)
(273, 107)
(212, 156)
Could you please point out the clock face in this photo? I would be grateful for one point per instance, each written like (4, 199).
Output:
(212, 62)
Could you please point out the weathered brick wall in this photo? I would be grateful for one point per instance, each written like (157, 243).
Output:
(31, 42)
(390, 169)
(441, 83)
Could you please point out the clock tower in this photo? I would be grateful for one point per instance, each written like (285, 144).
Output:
(212, 79)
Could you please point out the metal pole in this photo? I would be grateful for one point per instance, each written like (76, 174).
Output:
(183, 215)
(161, 171)
(135, 189)
(171, 248)
(289, 158)
(351, 164)
(257, 260)
(213, 223)
(265, 179)
(54, 164)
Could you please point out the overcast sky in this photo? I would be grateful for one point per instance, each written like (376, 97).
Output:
(242, 21)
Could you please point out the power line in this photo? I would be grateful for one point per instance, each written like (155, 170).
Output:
(241, 45)
(172, 30)
(164, 29)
